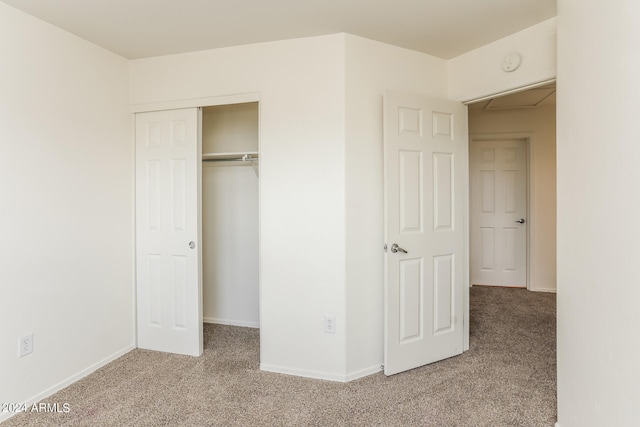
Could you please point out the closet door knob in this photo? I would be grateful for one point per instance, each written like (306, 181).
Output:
(192, 244)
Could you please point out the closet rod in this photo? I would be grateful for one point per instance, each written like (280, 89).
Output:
(244, 158)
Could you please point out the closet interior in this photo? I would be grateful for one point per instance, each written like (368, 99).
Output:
(230, 214)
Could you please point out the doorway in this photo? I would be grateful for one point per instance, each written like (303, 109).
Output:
(529, 115)
(184, 227)
(230, 214)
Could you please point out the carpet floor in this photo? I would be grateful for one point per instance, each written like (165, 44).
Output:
(507, 378)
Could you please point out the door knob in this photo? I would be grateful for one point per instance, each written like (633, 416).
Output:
(192, 244)
(520, 221)
(395, 248)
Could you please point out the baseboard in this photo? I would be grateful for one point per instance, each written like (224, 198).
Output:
(67, 382)
(320, 375)
(303, 373)
(550, 290)
(242, 323)
(364, 372)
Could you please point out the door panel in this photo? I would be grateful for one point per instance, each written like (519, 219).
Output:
(168, 279)
(425, 150)
(444, 294)
(411, 291)
(498, 200)
(443, 208)
(411, 214)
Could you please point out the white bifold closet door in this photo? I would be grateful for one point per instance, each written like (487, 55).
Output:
(168, 277)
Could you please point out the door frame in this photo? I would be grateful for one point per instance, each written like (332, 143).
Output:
(210, 101)
(527, 137)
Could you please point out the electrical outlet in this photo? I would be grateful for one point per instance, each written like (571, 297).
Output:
(329, 324)
(26, 345)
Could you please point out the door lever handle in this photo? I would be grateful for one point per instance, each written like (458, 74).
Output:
(395, 248)
(520, 221)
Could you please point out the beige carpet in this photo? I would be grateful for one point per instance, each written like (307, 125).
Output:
(507, 378)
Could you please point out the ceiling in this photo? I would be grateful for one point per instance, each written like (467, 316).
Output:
(532, 98)
(145, 28)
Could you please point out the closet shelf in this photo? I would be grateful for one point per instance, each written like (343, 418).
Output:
(240, 156)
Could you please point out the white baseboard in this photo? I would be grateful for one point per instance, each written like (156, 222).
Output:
(320, 375)
(67, 382)
(551, 290)
(364, 372)
(303, 373)
(242, 323)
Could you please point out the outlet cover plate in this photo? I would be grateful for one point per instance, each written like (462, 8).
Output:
(329, 324)
(26, 345)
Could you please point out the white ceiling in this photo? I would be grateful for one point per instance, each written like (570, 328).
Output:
(532, 98)
(144, 28)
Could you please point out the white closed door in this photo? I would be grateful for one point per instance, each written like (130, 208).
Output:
(498, 172)
(168, 277)
(425, 202)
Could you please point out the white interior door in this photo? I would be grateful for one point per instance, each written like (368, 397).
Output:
(425, 186)
(499, 212)
(168, 283)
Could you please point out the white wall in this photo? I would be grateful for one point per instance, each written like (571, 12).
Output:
(321, 200)
(598, 210)
(321, 158)
(66, 177)
(479, 73)
(302, 195)
(230, 217)
(372, 68)
(540, 124)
